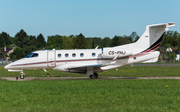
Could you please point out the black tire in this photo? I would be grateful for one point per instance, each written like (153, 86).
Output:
(21, 76)
(96, 75)
(92, 76)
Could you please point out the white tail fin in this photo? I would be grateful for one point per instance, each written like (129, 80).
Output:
(153, 35)
(150, 39)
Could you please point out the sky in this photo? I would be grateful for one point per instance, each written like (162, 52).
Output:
(92, 18)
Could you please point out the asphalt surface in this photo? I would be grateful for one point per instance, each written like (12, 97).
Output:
(82, 78)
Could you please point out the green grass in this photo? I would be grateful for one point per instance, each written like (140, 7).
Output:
(144, 71)
(125, 71)
(90, 96)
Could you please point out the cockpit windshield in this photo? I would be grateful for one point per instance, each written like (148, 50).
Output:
(31, 55)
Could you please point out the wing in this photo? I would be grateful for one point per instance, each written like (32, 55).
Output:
(83, 68)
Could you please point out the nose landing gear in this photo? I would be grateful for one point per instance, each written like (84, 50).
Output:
(22, 75)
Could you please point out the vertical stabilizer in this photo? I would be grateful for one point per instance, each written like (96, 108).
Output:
(152, 36)
(150, 39)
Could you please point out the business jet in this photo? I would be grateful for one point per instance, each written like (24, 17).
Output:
(92, 61)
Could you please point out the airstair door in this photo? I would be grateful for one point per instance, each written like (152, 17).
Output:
(51, 58)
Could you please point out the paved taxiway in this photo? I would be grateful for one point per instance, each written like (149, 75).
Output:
(81, 78)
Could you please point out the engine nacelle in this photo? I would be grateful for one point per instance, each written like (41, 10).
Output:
(112, 52)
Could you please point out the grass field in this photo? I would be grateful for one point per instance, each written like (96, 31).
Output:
(125, 71)
(90, 96)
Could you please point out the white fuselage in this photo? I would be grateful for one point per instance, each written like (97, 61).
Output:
(62, 59)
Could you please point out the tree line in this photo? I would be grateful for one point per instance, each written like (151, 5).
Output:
(23, 44)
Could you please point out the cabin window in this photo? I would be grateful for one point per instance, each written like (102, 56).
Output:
(32, 55)
(82, 54)
(73, 55)
(29, 55)
(93, 54)
(66, 55)
(59, 55)
(35, 55)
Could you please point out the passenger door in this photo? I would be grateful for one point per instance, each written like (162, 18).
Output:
(51, 58)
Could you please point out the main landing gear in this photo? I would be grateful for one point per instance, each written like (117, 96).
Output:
(94, 76)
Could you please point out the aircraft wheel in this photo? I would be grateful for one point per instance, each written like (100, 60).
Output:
(92, 76)
(96, 75)
(22, 76)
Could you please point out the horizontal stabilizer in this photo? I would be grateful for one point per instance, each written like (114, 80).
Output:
(151, 60)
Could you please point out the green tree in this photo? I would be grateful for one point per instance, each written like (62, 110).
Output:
(115, 41)
(17, 54)
(2, 43)
(41, 40)
(59, 42)
(54, 42)
(89, 41)
(31, 41)
(21, 38)
(27, 50)
(175, 38)
(106, 42)
(12, 57)
(164, 42)
(133, 36)
(125, 40)
(67, 42)
(136, 39)
(7, 39)
(80, 42)
(96, 42)
(50, 42)
(119, 40)
(12, 46)
(170, 39)
(178, 41)
(171, 56)
(13, 40)
(1, 55)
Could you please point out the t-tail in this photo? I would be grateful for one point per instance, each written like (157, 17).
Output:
(141, 51)
(148, 42)
(150, 39)
(144, 49)
(152, 36)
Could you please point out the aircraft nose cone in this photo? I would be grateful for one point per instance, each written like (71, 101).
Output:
(7, 66)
